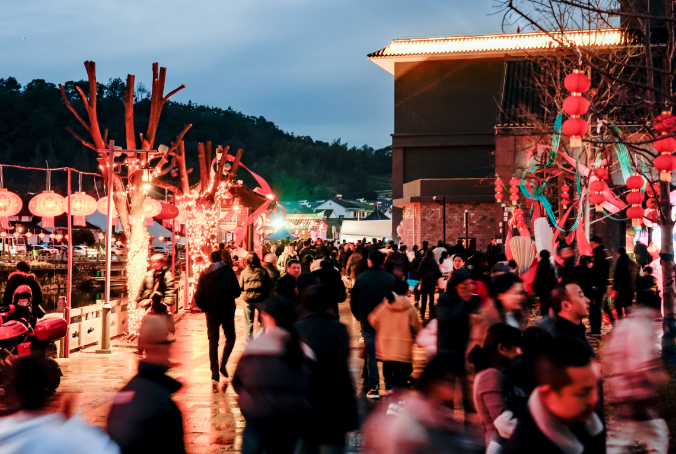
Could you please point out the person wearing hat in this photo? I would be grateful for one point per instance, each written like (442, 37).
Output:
(23, 276)
(144, 418)
(158, 279)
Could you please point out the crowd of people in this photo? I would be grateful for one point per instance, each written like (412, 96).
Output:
(522, 381)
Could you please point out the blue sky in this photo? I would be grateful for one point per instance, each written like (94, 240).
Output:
(299, 63)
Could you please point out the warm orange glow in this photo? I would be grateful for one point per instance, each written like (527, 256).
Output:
(500, 43)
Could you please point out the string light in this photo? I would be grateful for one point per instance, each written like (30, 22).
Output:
(137, 265)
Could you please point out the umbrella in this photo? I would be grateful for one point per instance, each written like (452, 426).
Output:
(280, 235)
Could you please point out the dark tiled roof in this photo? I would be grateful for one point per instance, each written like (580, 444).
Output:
(376, 215)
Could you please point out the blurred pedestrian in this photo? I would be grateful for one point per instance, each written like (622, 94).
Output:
(370, 289)
(600, 274)
(333, 413)
(216, 292)
(446, 268)
(396, 323)
(545, 280)
(286, 285)
(439, 250)
(490, 361)
(23, 276)
(255, 284)
(395, 263)
(428, 273)
(636, 375)
(269, 263)
(493, 252)
(624, 282)
(272, 383)
(32, 429)
(582, 274)
(561, 417)
(157, 279)
(327, 274)
(420, 421)
(143, 417)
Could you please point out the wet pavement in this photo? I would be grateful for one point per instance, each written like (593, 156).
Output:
(212, 422)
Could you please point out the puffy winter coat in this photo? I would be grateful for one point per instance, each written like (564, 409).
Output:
(162, 281)
(217, 288)
(255, 283)
(396, 325)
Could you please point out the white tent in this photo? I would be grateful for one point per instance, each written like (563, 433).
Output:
(357, 230)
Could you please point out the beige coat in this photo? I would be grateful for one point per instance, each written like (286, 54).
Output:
(396, 325)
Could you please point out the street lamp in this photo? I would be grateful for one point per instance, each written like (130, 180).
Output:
(442, 200)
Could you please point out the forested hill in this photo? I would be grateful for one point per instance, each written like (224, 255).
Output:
(33, 121)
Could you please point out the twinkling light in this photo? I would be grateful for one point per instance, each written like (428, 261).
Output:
(137, 265)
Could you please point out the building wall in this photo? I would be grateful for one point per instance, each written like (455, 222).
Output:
(423, 222)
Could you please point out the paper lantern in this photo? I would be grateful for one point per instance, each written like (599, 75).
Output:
(634, 183)
(602, 173)
(102, 206)
(665, 144)
(151, 208)
(665, 123)
(665, 163)
(29, 234)
(598, 186)
(81, 205)
(575, 105)
(168, 212)
(635, 198)
(47, 205)
(499, 190)
(10, 205)
(575, 128)
(565, 196)
(651, 203)
(577, 82)
(635, 213)
(514, 189)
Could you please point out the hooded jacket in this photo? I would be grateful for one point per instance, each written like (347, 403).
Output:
(18, 278)
(428, 272)
(164, 282)
(143, 417)
(217, 289)
(396, 325)
(255, 282)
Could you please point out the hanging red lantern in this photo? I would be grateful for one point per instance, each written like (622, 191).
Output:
(575, 128)
(10, 205)
(602, 173)
(652, 190)
(514, 189)
(168, 212)
(575, 105)
(651, 216)
(577, 82)
(81, 205)
(565, 196)
(102, 206)
(635, 183)
(47, 205)
(665, 123)
(635, 198)
(635, 213)
(665, 144)
(665, 163)
(597, 197)
(499, 190)
(598, 186)
(651, 203)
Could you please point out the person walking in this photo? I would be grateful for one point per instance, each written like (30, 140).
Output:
(493, 252)
(428, 273)
(255, 283)
(561, 416)
(157, 279)
(395, 263)
(446, 266)
(272, 383)
(370, 289)
(600, 275)
(269, 263)
(333, 413)
(624, 282)
(440, 249)
(216, 291)
(328, 275)
(286, 285)
(143, 417)
(396, 323)
(23, 276)
(545, 280)
(490, 362)
(635, 376)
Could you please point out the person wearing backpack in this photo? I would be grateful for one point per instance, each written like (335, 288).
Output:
(215, 296)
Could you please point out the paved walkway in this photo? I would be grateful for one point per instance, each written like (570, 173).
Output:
(213, 422)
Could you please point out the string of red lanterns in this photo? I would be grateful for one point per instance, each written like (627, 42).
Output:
(665, 124)
(514, 190)
(575, 106)
(635, 198)
(499, 195)
(565, 196)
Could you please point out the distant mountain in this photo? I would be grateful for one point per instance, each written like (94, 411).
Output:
(33, 121)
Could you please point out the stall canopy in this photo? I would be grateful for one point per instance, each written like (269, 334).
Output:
(280, 235)
(357, 230)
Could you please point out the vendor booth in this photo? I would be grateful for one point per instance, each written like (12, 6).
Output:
(352, 231)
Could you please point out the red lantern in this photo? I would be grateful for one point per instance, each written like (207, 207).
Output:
(577, 82)
(565, 196)
(575, 105)
(10, 205)
(168, 212)
(598, 186)
(634, 183)
(651, 203)
(665, 163)
(514, 189)
(47, 205)
(635, 198)
(601, 173)
(597, 199)
(575, 127)
(81, 205)
(665, 144)
(665, 123)
(652, 216)
(498, 190)
(652, 191)
(151, 208)
(635, 213)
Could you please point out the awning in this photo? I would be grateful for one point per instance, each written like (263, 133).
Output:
(357, 230)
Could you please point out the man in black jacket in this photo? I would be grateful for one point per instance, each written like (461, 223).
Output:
(624, 282)
(328, 275)
(544, 282)
(561, 415)
(286, 285)
(215, 296)
(600, 275)
(23, 276)
(333, 413)
(143, 417)
(368, 292)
